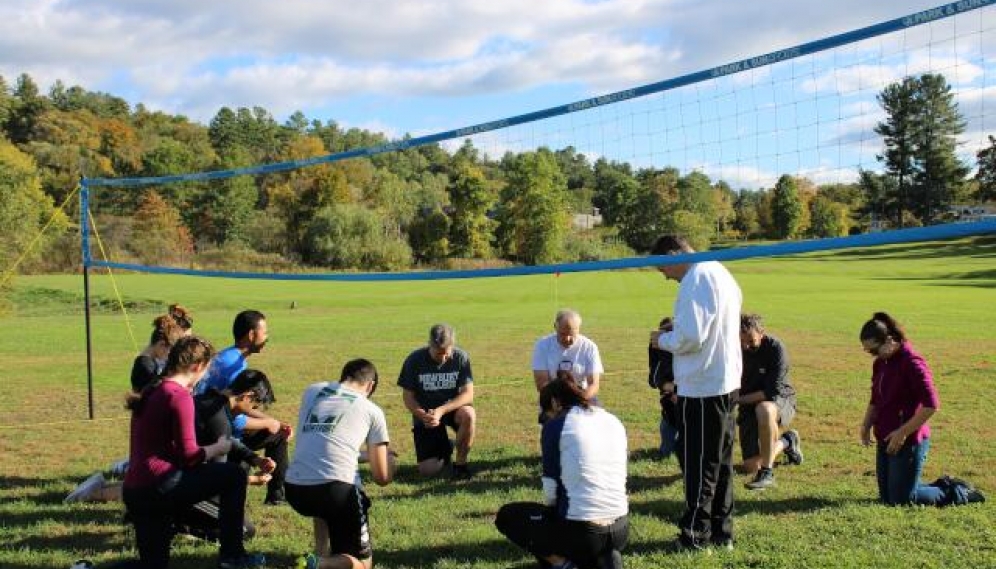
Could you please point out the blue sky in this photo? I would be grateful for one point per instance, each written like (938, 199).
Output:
(420, 66)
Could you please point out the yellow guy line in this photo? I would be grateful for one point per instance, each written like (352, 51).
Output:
(10, 272)
(114, 283)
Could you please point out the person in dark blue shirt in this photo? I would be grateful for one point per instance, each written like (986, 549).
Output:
(439, 392)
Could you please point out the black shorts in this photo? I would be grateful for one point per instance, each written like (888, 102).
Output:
(434, 442)
(747, 424)
(343, 507)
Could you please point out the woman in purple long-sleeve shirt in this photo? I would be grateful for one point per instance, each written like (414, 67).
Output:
(903, 398)
(168, 471)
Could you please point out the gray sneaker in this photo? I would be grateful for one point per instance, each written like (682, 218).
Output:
(119, 468)
(86, 490)
(764, 478)
(793, 447)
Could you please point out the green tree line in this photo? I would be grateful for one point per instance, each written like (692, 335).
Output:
(425, 206)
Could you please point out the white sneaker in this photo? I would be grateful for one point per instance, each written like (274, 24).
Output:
(85, 491)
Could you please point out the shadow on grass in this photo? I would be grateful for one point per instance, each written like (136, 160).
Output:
(68, 515)
(978, 247)
(636, 484)
(494, 551)
(18, 482)
(78, 538)
(11, 486)
(981, 279)
(504, 473)
(482, 483)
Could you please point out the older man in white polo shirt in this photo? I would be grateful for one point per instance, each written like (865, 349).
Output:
(567, 353)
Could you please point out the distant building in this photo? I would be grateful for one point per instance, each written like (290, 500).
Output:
(587, 220)
(975, 212)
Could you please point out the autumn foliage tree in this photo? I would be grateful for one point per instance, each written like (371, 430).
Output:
(24, 208)
(158, 235)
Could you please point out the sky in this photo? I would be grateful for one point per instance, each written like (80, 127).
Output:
(421, 66)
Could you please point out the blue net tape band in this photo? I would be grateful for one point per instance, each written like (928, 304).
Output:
(926, 16)
(931, 233)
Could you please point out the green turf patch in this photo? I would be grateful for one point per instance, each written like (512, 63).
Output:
(820, 514)
(42, 301)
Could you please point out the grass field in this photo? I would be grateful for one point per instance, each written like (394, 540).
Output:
(821, 514)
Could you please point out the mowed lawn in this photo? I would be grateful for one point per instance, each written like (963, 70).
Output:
(821, 514)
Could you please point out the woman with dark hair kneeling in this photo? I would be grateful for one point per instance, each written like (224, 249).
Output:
(903, 398)
(168, 470)
(584, 523)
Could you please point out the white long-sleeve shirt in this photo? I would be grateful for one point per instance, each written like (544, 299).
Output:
(705, 339)
(584, 465)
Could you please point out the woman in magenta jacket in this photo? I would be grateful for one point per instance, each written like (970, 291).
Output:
(903, 398)
(169, 471)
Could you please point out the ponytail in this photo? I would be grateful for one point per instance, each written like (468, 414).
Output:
(882, 327)
(566, 392)
(183, 318)
(166, 330)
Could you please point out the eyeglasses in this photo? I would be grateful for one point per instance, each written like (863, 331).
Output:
(874, 351)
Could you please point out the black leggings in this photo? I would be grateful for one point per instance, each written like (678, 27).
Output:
(537, 529)
(152, 509)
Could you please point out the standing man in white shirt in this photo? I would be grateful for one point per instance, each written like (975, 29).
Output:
(705, 341)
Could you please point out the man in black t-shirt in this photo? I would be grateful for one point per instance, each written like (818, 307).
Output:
(439, 392)
(767, 404)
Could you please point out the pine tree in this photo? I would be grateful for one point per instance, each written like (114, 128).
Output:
(28, 106)
(920, 136)
(940, 174)
(898, 134)
(987, 172)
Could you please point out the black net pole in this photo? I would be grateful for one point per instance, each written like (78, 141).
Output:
(85, 254)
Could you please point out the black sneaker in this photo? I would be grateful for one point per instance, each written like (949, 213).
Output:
(275, 499)
(793, 447)
(685, 545)
(611, 559)
(461, 472)
(764, 478)
(245, 561)
(723, 544)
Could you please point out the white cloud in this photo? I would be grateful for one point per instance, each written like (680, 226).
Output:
(873, 78)
(193, 57)
(385, 44)
(739, 176)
